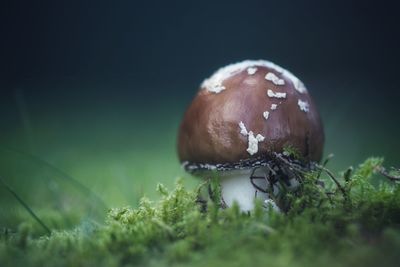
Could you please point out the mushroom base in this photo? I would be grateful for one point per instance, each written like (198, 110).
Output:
(236, 186)
(248, 185)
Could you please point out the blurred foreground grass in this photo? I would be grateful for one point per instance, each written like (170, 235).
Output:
(362, 229)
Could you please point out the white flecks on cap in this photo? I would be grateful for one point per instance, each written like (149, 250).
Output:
(271, 93)
(251, 70)
(303, 105)
(299, 86)
(243, 129)
(273, 78)
(260, 138)
(253, 142)
(217, 88)
(215, 81)
(274, 106)
(266, 114)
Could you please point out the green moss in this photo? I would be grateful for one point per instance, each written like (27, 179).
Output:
(320, 229)
(292, 152)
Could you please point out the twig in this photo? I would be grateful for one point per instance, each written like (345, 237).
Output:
(30, 211)
(296, 169)
(391, 177)
(271, 170)
(289, 164)
(330, 174)
(329, 196)
(252, 177)
(330, 156)
(347, 174)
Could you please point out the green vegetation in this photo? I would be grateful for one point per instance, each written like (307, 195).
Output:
(354, 224)
(291, 151)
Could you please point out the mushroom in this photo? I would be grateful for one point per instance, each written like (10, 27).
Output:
(238, 126)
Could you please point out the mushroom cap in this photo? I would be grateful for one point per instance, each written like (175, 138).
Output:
(246, 111)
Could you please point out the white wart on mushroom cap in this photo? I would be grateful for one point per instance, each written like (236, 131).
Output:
(245, 111)
(214, 83)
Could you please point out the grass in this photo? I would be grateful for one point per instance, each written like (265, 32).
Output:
(357, 227)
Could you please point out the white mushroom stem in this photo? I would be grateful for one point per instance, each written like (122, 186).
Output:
(236, 187)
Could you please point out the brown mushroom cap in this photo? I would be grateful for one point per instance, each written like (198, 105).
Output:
(254, 97)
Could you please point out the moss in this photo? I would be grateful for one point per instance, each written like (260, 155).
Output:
(319, 229)
(292, 152)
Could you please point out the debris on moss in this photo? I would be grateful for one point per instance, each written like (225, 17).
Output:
(323, 227)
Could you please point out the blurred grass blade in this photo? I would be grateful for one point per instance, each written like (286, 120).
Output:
(59, 200)
(59, 173)
(28, 209)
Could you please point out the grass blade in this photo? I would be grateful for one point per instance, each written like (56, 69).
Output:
(28, 209)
